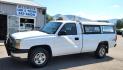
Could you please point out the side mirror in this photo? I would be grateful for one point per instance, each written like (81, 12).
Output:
(62, 33)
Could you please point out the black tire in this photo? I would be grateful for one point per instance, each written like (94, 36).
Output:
(101, 51)
(35, 54)
(122, 34)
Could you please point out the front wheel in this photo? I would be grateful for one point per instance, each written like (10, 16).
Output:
(38, 57)
(101, 51)
(122, 34)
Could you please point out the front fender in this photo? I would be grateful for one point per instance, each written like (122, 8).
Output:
(28, 43)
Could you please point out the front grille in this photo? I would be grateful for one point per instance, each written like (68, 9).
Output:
(10, 45)
(11, 41)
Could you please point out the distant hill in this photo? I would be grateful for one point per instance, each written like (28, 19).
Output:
(70, 17)
(73, 17)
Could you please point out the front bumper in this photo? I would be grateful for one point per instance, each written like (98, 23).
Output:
(14, 52)
(19, 55)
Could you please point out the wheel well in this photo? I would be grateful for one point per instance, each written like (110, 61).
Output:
(104, 43)
(46, 47)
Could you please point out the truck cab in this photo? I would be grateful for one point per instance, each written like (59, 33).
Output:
(59, 38)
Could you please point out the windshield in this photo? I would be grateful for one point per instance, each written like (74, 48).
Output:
(51, 27)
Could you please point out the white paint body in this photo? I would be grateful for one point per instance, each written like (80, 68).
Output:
(64, 45)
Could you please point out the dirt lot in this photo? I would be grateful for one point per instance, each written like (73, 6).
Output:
(86, 61)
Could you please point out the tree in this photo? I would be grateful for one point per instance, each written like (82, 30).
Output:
(60, 18)
(48, 18)
(119, 24)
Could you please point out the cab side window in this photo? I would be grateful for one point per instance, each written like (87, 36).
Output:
(69, 29)
(92, 29)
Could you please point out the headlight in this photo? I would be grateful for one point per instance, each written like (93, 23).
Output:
(17, 40)
(17, 45)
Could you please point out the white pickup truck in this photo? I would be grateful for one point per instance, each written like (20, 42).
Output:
(59, 38)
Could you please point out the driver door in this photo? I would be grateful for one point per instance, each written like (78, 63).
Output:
(68, 40)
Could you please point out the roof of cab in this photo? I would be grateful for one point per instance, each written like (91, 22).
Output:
(86, 22)
(64, 21)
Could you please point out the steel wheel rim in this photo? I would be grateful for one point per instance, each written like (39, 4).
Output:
(102, 51)
(40, 58)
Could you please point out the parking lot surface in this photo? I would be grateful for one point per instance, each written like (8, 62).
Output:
(86, 61)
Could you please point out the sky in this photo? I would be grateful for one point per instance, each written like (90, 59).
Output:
(91, 9)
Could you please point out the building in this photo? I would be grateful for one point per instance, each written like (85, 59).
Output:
(20, 15)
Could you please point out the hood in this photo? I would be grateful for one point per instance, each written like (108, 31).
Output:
(28, 34)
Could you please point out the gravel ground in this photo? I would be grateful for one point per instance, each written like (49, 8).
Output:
(86, 61)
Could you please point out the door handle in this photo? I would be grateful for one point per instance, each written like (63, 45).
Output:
(76, 38)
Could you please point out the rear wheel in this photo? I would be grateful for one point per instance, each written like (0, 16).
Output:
(38, 57)
(101, 51)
